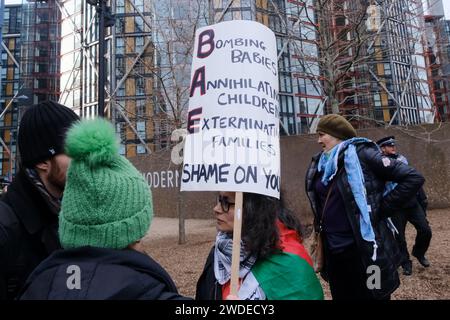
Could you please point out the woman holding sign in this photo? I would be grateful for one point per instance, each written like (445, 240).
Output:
(345, 184)
(274, 265)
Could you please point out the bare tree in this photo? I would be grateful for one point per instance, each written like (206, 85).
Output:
(174, 26)
(361, 48)
(362, 59)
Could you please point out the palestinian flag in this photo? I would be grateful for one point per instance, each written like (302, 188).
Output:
(288, 275)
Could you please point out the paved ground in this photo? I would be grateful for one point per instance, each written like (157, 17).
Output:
(185, 262)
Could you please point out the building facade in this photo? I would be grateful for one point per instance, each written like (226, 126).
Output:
(364, 61)
(376, 51)
(436, 44)
(293, 22)
(129, 63)
(445, 50)
(10, 83)
(40, 50)
(72, 58)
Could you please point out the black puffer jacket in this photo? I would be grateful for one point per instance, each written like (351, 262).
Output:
(28, 234)
(103, 274)
(421, 196)
(377, 169)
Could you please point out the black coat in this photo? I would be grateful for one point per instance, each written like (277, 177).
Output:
(377, 169)
(28, 234)
(208, 288)
(421, 196)
(103, 274)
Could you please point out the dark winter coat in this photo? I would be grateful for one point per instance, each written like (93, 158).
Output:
(102, 274)
(28, 234)
(377, 169)
(421, 196)
(208, 288)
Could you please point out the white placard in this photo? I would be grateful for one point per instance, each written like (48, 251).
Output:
(233, 139)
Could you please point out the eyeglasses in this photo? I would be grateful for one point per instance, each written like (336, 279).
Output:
(224, 203)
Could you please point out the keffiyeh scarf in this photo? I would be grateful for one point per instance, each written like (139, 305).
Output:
(249, 289)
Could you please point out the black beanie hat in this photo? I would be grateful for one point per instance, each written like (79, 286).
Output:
(336, 126)
(42, 131)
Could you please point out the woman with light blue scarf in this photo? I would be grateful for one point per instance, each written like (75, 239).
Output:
(345, 184)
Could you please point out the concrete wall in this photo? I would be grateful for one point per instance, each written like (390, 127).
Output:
(161, 174)
(427, 148)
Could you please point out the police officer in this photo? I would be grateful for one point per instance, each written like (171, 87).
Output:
(414, 211)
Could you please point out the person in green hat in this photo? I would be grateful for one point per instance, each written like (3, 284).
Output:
(106, 210)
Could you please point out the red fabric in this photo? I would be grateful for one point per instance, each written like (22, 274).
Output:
(226, 289)
(291, 243)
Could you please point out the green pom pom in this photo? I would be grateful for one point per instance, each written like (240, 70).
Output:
(92, 141)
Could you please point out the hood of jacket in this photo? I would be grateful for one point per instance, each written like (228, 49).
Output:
(99, 274)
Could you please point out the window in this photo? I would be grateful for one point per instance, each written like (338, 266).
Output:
(275, 23)
(139, 4)
(138, 24)
(121, 90)
(387, 69)
(139, 43)
(377, 100)
(120, 6)
(140, 108)
(140, 86)
(141, 149)
(120, 66)
(139, 68)
(140, 128)
(120, 46)
(120, 25)
(42, 68)
(285, 82)
(122, 149)
(246, 15)
(42, 83)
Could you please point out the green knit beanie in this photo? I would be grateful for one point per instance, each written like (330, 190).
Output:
(336, 126)
(106, 201)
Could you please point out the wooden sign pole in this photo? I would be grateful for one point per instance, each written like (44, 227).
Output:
(235, 260)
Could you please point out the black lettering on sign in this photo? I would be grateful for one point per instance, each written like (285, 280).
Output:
(242, 175)
(193, 123)
(265, 147)
(205, 38)
(198, 172)
(198, 80)
(240, 56)
(272, 181)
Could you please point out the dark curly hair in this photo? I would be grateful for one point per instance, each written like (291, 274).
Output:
(259, 230)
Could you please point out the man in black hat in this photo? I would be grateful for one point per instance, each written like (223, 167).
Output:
(414, 211)
(29, 209)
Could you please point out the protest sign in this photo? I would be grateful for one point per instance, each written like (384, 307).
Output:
(233, 132)
(233, 127)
